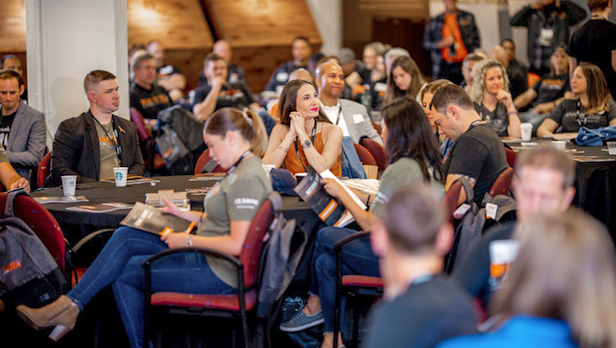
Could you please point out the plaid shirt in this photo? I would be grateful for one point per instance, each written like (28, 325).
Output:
(433, 34)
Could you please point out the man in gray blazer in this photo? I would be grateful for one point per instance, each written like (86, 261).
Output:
(352, 117)
(22, 129)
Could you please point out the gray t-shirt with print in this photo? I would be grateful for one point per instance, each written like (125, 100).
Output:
(237, 197)
(107, 147)
(403, 172)
(3, 156)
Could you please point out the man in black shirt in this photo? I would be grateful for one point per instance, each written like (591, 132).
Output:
(478, 153)
(301, 57)
(420, 307)
(145, 95)
(543, 184)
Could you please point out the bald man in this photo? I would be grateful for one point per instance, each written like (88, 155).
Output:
(351, 116)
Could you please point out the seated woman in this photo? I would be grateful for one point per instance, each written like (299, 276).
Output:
(426, 95)
(236, 140)
(404, 79)
(560, 290)
(414, 156)
(305, 136)
(490, 93)
(593, 106)
(548, 92)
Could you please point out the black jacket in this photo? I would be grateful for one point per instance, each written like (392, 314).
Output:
(76, 150)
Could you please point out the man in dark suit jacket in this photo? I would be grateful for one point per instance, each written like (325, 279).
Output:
(22, 128)
(91, 144)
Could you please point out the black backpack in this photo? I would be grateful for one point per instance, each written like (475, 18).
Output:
(29, 275)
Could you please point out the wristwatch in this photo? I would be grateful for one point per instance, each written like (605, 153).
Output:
(307, 143)
(189, 240)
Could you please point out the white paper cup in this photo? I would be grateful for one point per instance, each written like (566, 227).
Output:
(120, 174)
(611, 147)
(527, 131)
(559, 144)
(69, 183)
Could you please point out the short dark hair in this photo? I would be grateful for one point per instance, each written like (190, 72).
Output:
(451, 94)
(140, 58)
(212, 57)
(94, 77)
(302, 38)
(9, 74)
(597, 5)
(549, 157)
(507, 40)
(8, 56)
(413, 219)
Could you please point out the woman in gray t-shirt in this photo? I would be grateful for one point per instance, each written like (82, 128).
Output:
(236, 140)
(414, 157)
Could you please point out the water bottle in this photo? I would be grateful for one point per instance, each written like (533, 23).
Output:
(366, 99)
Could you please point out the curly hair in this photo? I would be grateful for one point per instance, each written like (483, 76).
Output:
(479, 78)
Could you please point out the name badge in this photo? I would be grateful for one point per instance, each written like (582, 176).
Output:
(545, 37)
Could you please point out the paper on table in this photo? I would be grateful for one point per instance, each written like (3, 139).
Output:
(328, 174)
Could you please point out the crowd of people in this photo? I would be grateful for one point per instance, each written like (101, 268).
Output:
(559, 290)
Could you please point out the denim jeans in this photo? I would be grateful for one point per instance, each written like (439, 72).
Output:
(119, 264)
(357, 257)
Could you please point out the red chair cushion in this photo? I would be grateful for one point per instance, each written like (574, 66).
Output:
(363, 281)
(222, 302)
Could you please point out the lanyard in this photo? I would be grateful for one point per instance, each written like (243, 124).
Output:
(339, 113)
(238, 162)
(113, 138)
(314, 132)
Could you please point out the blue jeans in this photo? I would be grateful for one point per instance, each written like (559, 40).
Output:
(357, 257)
(119, 264)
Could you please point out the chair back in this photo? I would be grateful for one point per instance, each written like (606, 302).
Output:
(43, 170)
(365, 157)
(532, 78)
(42, 223)
(502, 183)
(377, 151)
(253, 246)
(450, 201)
(205, 159)
(377, 127)
(143, 131)
(511, 157)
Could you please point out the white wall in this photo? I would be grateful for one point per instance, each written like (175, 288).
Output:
(328, 17)
(66, 39)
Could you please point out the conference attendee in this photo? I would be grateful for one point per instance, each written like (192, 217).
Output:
(560, 289)
(236, 140)
(12, 62)
(235, 73)
(467, 67)
(392, 54)
(404, 79)
(145, 95)
(548, 23)
(420, 307)
(492, 100)
(168, 76)
(548, 92)
(509, 46)
(93, 143)
(304, 137)
(518, 78)
(301, 55)
(594, 43)
(593, 106)
(23, 132)
(218, 93)
(543, 184)
(414, 158)
(371, 53)
(449, 37)
(8, 176)
(350, 116)
(478, 153)
(354, 70)
(426, 95)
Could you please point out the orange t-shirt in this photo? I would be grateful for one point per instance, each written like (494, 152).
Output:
(296, 165)
(458, 51)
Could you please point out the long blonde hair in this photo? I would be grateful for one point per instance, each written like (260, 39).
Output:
(566, 269)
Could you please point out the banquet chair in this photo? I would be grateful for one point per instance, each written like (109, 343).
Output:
(450, 201)
(205, 164)
(43, 170)
(378, 152)
(511, 157)
(365, 157)
(377, 127)
(153, 160)
(234, 306)
(502, 184)
(358, 289)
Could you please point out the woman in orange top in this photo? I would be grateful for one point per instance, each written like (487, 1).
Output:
(304, 137)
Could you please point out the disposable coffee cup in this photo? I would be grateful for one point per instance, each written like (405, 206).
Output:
(69, 183)
(527, 131)
(120, 173)
(611, 147)
(559, 144)
(502, 254)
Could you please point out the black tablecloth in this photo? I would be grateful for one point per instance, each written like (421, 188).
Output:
(595, 180)
(78, 224)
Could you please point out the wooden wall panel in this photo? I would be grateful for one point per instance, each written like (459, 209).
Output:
(13, 26)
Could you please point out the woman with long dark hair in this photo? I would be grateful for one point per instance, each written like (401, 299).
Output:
(414, 156)
(404, 80)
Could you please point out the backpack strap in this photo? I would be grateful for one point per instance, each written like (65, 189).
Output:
(468, 189)
(10, 201)
(274, 196)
